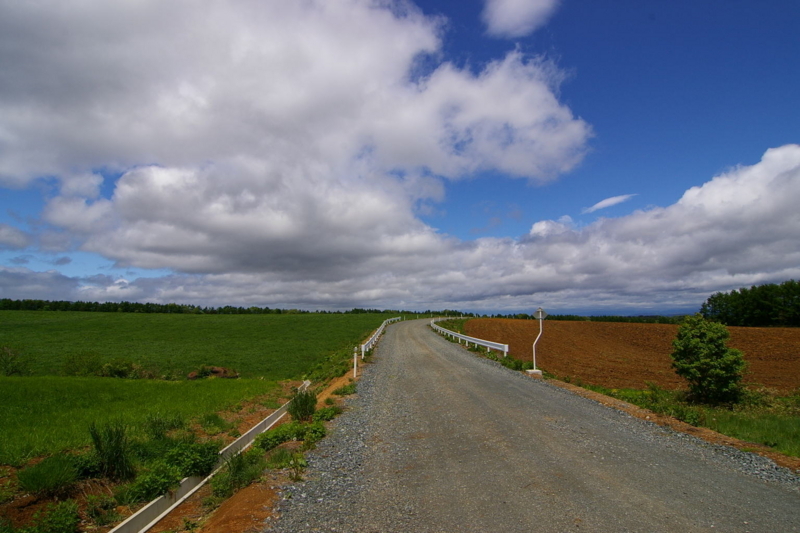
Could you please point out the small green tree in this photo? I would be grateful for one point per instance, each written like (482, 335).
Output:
(702, 357)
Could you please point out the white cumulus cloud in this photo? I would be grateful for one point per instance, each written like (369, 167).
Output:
(608, 202)
(517, 18)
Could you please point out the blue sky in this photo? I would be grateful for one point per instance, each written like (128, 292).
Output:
(627, 157)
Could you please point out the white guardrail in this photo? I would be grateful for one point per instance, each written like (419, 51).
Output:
(477, 342)
(367, 346)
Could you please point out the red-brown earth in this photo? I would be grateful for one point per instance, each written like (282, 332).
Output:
(624, 355)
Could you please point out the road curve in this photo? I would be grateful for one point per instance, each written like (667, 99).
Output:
(450, 442)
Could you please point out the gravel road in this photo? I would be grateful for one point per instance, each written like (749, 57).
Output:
(439, 440)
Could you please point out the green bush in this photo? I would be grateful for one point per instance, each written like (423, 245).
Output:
(54, 476)
(313, 433)
(326, 413)
(157, 480)
(278, 435)
(701, 356)
(113, 448)
(194, 458)
(345, 390)
(309, 433)
(303, 405)
(298, 464)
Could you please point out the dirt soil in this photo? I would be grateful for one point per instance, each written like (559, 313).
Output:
(622, 355)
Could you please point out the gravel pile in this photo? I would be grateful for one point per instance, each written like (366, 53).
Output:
(330, 498)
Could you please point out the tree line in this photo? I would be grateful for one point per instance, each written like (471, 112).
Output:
(762, 306)
(7, 304)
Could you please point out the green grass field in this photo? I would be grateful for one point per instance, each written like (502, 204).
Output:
(269, 346)
(44, 412)
(42, 415)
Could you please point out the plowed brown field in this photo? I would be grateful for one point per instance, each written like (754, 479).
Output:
(621, 355)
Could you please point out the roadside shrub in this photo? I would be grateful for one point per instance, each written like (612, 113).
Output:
(239, 471)
(297, 464)
(158, 479)
(193, 458)
(303, 405)
(56, 518)
(309, 433)
(12, 363)
(54, 476)
(278, 435)
(326, 413)
(313, 433)
(701, 356)
(510, 362)
(113, 448)
(345, 390)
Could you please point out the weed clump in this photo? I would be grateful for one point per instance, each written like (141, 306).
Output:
(303, 405)
(239, 471)
(157, 479)
(346, 390)
(308, 433)
(113, 448)
(55, 476)
(326, 413)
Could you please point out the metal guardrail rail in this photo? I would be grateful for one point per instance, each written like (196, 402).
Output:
(375, 336)
(477, 342)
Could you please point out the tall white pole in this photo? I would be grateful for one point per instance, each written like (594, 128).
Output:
(541, 320)
(355, 361)
(540, 316)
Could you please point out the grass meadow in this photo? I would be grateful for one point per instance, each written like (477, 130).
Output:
(48, 410)
(274, 347)
(43, 415)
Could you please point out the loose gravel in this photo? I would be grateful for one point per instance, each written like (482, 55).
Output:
(340, 487)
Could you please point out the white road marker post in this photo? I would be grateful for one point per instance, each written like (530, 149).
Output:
(540, 315)
(355, 361)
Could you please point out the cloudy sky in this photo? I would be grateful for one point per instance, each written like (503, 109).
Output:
(497, 155)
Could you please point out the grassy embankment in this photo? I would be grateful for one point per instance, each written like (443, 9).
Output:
(50, 408)
(761, 416)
